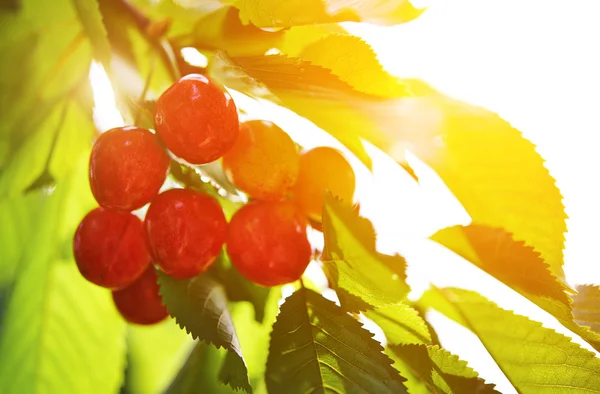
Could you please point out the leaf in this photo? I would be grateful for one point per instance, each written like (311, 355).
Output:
(272, 13)
(59, 332)
(297, 38)
(30, 161)
(239, 288)
(354, 62)
(316, 347)
(91, 19)
(17, 214)
(518, 266)
(351, 261)
(513, 262)
(224, 30)
(200, 372)
(74, 139)
(199, 305)
(401, 324)
(154, 356)
(535, 359)
(440, 370)
(586, 307)
(494, 172)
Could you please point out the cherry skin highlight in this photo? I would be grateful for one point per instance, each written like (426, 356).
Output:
(196, 119)
(264, 161)
(140, 302)
(267, 242)
(322, 169)
(110, 248)
(186, 230)
(127, 168)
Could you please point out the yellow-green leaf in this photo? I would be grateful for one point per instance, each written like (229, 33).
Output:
(586, 307)
(91, 20)
(355, 62)
(535, 359)
(518, 266)
(401, 324)
(440, 371)
(276, 13)
(351, 261)
(494, 172)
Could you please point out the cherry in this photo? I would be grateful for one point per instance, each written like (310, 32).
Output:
(267, 242)
(110, 248)
(322, 169)
(140, 302)
(263, 162)
(186, 231)
(196, 119)
(127, 168)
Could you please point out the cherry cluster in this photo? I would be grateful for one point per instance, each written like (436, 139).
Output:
(184, 230)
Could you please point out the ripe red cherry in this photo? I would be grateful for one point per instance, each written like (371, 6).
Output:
(110, 248)
(140, 302)
(127, 168)
(186, 231)
(196, 119)
(267, 242)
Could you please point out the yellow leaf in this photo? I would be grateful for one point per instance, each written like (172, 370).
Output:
(494, 172)
(224, 30)
(355, 62)
(278, 13)
(298, 37)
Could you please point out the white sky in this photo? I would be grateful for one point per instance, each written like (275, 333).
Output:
(536, 63)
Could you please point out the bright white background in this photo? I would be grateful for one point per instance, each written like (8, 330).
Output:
(537, 64)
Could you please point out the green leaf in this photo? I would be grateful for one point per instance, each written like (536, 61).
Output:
(317, 347)
(351, 261)
(91, 19)
(354, 62)
(401, 324)
(74, 139)
(17, 214)
(518, 266)
(586, 307)
(154, 355)
(59, 332)
(439, 370)
(30, 161)
(200, 373)
(199, 305)
(239, 288)
(535, 359)
(273, 13)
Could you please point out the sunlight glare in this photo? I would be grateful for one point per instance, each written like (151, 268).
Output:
(106, 113)
(194, 57)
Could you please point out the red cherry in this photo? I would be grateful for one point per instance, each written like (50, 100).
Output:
(196, 119)
(186, 231)
(110, 248)
(140, 302)
(127, 168)
(267, 242)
